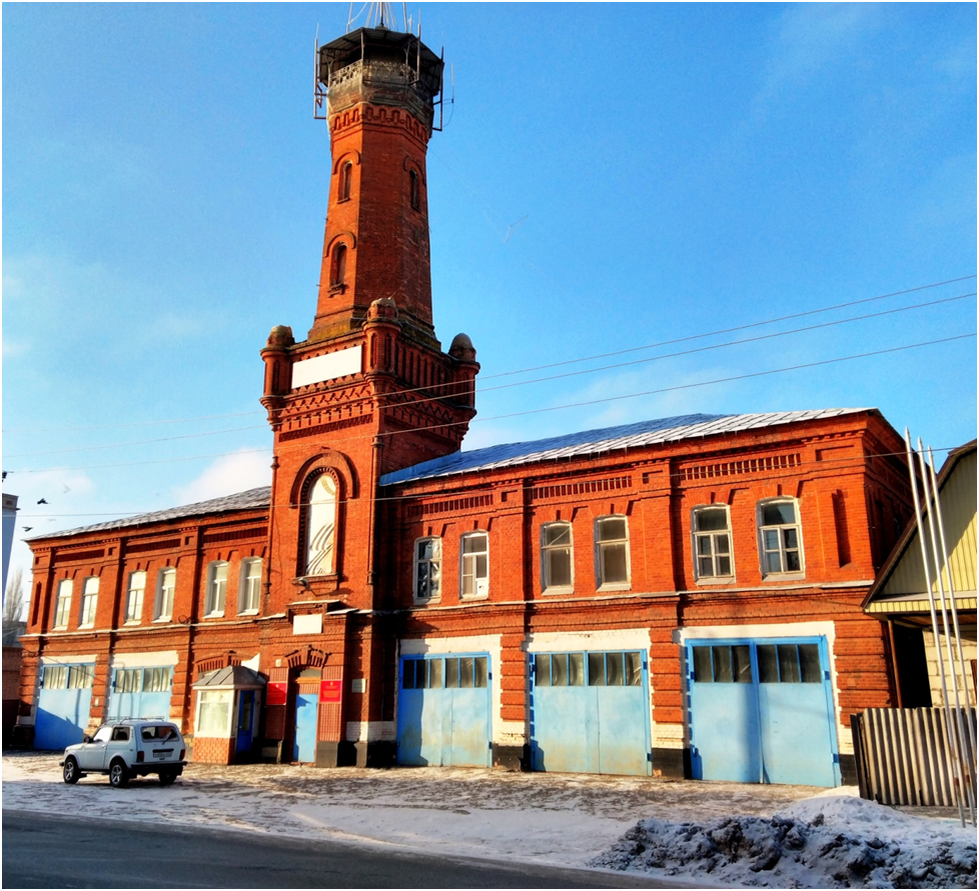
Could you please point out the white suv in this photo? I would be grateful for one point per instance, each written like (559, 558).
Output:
(126, 749)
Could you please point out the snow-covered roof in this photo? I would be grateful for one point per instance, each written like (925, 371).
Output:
(608, 439)
(249, 500)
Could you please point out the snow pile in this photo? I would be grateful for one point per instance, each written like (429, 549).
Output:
(822, 842)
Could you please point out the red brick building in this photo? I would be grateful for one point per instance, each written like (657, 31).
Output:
(678, 597)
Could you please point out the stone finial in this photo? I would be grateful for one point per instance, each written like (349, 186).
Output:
(383, 308)
(280, 336)
(462, 349)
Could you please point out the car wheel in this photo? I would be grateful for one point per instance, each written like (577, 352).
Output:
(71, 772)
(167, 777)
(118, 774)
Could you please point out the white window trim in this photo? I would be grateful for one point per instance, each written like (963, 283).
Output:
(479, 594)
(243, 586)
(62, 614)
(799, 573)
(158, 614)
(138, 618)
(695, 534)
(210, 603)
(546, 586)
(602, 585)
(415, 562)
(85, 599)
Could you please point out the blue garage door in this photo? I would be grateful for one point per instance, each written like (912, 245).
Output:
(590, 712)
(141, 693)
(63, 705)
(444, 711)
(761, 711)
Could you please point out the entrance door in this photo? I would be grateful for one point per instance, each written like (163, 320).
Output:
(761, 711)
(590, 712)
(246, 712)
(307, 708)
(444, 711)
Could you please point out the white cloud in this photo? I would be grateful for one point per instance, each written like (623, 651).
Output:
(227, 475)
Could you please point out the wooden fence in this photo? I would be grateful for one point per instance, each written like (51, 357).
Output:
(903, 755)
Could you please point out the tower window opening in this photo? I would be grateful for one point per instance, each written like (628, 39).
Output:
(346, 176)
(413, 190)
(338, 266)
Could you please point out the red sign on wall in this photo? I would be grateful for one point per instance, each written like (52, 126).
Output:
(329, 691)
(276, 693)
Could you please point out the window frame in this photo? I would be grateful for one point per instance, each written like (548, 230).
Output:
(696, 535)
(345, 181)
(62, 603)
(481, 582)
(216, 590)
(763, 552)
(549, 548)
(134, 616)
(602, 547)
(160, 603)
(310, 567)
(89, 602)
(245, 593)
(433, 579)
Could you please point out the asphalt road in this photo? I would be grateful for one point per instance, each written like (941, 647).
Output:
(44, 851)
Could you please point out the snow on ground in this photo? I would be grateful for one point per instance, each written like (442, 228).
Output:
(707, 834)
(837, 841)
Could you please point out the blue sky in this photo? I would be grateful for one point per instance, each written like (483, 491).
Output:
(609, 177)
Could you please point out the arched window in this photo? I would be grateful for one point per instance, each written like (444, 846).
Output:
(346, 176)
(338, 266)
(321, 526)
(413, 190)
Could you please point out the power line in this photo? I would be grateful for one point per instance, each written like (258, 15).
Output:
(553, 408)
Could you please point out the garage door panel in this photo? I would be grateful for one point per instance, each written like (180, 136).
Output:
(762, 711)
(621, 719)
(566, 729)
(63, 705)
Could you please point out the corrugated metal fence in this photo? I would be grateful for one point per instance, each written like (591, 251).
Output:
(903, 756)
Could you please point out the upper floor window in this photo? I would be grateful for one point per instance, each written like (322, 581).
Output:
(321, 526)
(217, 588)
(338, 265)
(612, 551)
(474, 576)
(250, 585)
(414, 192)
(428, 568)
(90, 599)
(346, 178)
(62, 609)
(134, 598)
(556, 560)
(712, 543)
(780, 537)
(166, 584)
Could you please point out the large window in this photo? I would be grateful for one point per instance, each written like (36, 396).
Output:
(557, 572)
(68, 677)
(214, 713)
(166, 584)
(712, 543)
(134, 599)
(90, 600)
(62, 609)
(596, 669)
(780, 537)
(321, 526)
(474, 575)
(428, 568)
(217, 588)
(250, 585)
(612, 552)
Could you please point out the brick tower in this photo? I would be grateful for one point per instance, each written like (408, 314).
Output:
(368, 392)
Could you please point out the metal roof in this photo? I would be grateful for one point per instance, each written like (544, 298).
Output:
(232, 676)
(249, 500)
(592, 442)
